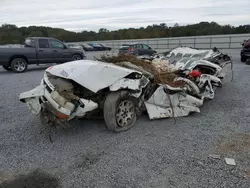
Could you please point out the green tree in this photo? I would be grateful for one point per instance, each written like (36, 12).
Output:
(10, 33)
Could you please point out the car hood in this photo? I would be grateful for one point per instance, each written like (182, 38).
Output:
(93, 75)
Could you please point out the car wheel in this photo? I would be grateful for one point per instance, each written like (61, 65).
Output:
(243, 59)
(19, 65)
(119, 111)
(6, 67)
(76, 57)
(248, 61)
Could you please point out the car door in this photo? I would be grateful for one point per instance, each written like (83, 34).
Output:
(139, 49)
(60, 52)
(44, 52)
(147, 50)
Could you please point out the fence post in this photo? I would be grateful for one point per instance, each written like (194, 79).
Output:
(210, 42)
(230, 42)
(194, 42)
(168, 44)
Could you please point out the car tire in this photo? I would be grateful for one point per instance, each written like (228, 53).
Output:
(6, 67)
(243, 59)
(19, 65)
(248, 61)
(76, 57)
(119, 111)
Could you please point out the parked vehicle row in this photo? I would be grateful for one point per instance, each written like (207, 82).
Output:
(92, 47)
(100, 47)
(38, 50)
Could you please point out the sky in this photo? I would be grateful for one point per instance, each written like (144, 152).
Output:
(79, 15)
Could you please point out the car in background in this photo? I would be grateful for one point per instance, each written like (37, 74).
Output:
(97, 47)
(245, 52)
(106, 47)
(38, 50)
(87, 47)
(76, 46)
(137, 49)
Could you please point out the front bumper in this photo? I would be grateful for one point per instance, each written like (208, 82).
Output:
(40, 98)
(245, 53)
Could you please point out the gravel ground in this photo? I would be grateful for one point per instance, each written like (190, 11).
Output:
(157, 153)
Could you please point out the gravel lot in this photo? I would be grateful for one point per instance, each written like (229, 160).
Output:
(155, 153)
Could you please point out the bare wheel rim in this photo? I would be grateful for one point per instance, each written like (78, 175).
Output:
(76, 57)
(19, 65)
(125, 113)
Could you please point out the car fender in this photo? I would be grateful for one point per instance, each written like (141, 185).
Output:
(130, 84)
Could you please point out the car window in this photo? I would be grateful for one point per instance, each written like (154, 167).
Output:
(29, 42)
(138, 46)
(56, 44)
(144, 46)
(43, 43)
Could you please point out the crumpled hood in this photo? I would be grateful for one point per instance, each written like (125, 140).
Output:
(191, 51)
(93, 75)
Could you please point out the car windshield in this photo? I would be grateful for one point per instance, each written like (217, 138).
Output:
(29, 42)
(86, 45)
(96, 45)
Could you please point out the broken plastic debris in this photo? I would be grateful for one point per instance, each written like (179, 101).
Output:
(214, 156)
(230, 161)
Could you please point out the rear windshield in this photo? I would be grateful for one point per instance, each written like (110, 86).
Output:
(29, 42)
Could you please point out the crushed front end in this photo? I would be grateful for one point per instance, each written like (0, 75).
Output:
(55, 101)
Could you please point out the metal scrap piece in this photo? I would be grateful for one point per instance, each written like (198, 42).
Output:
(230, 161)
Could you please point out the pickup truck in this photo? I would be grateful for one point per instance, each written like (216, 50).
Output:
(38, 50)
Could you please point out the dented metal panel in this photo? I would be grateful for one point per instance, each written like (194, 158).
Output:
(125, 83)
(163, 105)
(89, 106)
(131, 84)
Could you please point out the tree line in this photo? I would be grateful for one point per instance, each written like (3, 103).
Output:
(11, 34)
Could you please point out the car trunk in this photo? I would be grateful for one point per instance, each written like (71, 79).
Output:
(123, 49)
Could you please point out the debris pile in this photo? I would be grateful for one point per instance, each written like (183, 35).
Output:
(160, 69)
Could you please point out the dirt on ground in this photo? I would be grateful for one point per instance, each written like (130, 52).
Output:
(236, 143)
(34, 179)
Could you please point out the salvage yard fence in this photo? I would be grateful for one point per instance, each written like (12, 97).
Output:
(200, 42)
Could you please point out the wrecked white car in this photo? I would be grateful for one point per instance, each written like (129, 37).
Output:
(73, 89)
(120, 92)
